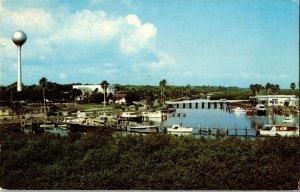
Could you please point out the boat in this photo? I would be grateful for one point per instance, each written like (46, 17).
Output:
(144, 129)
(179, 129)
(155, 114)
(131, 116)
(47, 125)
(279, 130)
(249, 111)
(178, 134)
(288, 120)
(73, 120)
(239, 110)
(87, 127)
(261, 109)
(63, 126)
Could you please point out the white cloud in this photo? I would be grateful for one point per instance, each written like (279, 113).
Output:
(139, 36)
(56, 39)
(86, 27)
(164, 61)
(31, 20)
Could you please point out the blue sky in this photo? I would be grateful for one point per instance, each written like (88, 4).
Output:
(196, 42)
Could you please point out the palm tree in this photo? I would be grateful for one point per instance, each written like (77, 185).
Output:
(293, 87)
(104, 84)
(257, 88)
(275, 89)
(268, 87)
(43, 83)
(188, 90)
(162, 85)
(253, 89)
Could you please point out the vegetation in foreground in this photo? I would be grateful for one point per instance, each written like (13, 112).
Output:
(103, 161)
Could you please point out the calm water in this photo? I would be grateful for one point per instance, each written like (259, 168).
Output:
(209, 118)
(217, 118)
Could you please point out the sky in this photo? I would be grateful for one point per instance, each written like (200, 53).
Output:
(141, 42)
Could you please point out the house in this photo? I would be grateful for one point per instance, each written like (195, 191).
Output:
(277, 100)
(119, 98)
(90, 88)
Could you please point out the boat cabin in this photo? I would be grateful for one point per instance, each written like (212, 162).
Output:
(279, 128)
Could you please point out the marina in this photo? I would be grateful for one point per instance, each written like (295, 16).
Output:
(198, 122)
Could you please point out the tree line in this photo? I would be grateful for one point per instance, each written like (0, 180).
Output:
(269, 88)
(54, 92)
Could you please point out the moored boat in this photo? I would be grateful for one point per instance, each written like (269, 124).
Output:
(155, 114)
(73, 120)
(179, 129)
(260, 109)
(131, 116)
(249, 111)
(288, 120)
(144, 129)
(47, 125)
(239, 110)
(279, 130)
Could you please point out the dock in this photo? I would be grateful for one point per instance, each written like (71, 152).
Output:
(227, 131)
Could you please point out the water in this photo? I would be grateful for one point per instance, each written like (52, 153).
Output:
(209, 118)
(217, 118)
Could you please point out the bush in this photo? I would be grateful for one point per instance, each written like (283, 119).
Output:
(154, 161)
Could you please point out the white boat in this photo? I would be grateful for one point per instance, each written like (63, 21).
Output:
(73, 120)
(239, 110)
(131, 116)
(47, 125)
(155, 114)
(288, 120)
(260, 109)
(279, 130)
(178, 134)
(144, 129)
(63, 126)
(179, 129)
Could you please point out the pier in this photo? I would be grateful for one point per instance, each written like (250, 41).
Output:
(227, 132)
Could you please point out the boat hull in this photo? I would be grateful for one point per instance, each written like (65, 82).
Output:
(182, 130)
(279, 133)
(144, 129)
(47, 126)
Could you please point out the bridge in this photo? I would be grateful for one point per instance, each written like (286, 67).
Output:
(203, 103)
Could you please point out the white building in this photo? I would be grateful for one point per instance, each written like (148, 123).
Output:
(278, 100)
(90, 88)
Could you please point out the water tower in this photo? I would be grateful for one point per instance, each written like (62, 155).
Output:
(19, 38)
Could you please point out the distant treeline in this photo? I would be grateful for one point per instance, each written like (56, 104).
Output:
(156, 162)
(55, 92)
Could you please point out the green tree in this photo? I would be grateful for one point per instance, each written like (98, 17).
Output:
(43, 83)
(162, 85)
(74, 93)
(253, 89)
(275, 89)
(150, 101)
(104, 84)
(268, 87)
(293, 87)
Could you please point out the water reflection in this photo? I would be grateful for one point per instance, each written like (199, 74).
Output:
(217, 118)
